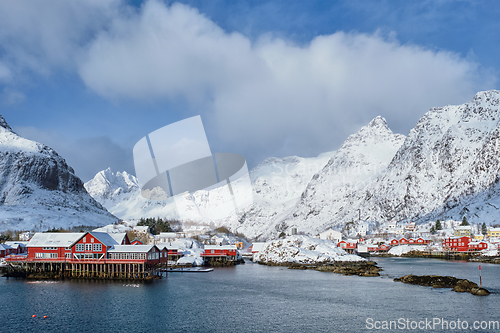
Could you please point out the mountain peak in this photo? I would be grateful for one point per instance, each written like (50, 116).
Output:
(4, 124)
(488, 95)
(378, 122)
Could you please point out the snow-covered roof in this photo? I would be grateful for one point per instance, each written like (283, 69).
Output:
(167, 235)
(220, 247)
(131, 248)
(57, 239)
(256, 247)
(118, 237)
(141, 228)
(464, 227)
(16, 243)
(113, 228)
(162, 246)
(329, 231)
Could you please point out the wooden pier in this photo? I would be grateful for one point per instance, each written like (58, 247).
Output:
(91, 269)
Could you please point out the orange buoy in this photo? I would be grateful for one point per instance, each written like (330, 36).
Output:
(33, 316)
(44, 317)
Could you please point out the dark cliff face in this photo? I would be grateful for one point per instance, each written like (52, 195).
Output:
(32, 173)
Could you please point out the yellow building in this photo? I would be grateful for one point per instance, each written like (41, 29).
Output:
(494, 232)
(463, 231)
(478, 237)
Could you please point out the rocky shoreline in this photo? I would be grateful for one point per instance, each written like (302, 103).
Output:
(486, 260)
(359, 268)
(436, 281)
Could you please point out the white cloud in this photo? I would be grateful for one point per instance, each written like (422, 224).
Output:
(10, 96)
(273, 96)
(257, 98)
(40, 36)
(5, 73)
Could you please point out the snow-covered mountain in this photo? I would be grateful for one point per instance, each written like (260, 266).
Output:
(332, 193)
(38, 190)
(447, 167)
(277, 185)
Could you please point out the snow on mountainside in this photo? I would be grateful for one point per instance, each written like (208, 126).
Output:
(277, 185)
(448, 166)
(39, 190)
(359, 161)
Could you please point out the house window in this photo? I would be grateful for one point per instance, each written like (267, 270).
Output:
(97, 247)
(53, 255)
(91, 240)
(88, 247)
(80, 247)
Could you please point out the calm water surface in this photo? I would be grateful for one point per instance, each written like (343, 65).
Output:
(249, 298)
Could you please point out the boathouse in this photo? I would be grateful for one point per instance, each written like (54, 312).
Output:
(477, 246)
(87, 255)
(459, 244)
(220, 253)
(348, 245)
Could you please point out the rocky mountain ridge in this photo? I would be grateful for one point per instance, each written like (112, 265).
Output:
(39, 189)
(446, 167)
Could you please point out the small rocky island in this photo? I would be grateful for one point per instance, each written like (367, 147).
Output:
(436, 281)
(303, 252)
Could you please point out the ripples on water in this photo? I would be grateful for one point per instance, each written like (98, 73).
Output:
(247, 298)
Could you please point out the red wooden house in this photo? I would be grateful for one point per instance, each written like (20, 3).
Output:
(477, 246)
(150, 254)
(383, 248)
(399, 241)
(348, 245)
(460, 244)
(170, 255)
(92, 246)
(220, 253)
(394, 242)
(403, 241)
(51, 246)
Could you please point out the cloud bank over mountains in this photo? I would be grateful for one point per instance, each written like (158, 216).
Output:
(259, 97)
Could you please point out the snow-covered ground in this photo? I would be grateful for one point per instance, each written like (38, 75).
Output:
(303, 250)
(192, 250)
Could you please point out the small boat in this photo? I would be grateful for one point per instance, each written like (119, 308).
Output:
(190, 270)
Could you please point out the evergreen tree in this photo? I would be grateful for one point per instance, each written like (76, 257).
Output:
(484, 229)
(438, 225)
(156, 225)
(433, 230)
(464, 222)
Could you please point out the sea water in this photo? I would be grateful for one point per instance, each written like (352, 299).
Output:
(255, 298)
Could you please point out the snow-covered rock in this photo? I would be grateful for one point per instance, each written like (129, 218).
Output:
(402, 249)
(38, 190)
(303, 250)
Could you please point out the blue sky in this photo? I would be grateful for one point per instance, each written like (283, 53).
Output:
(269, 78)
